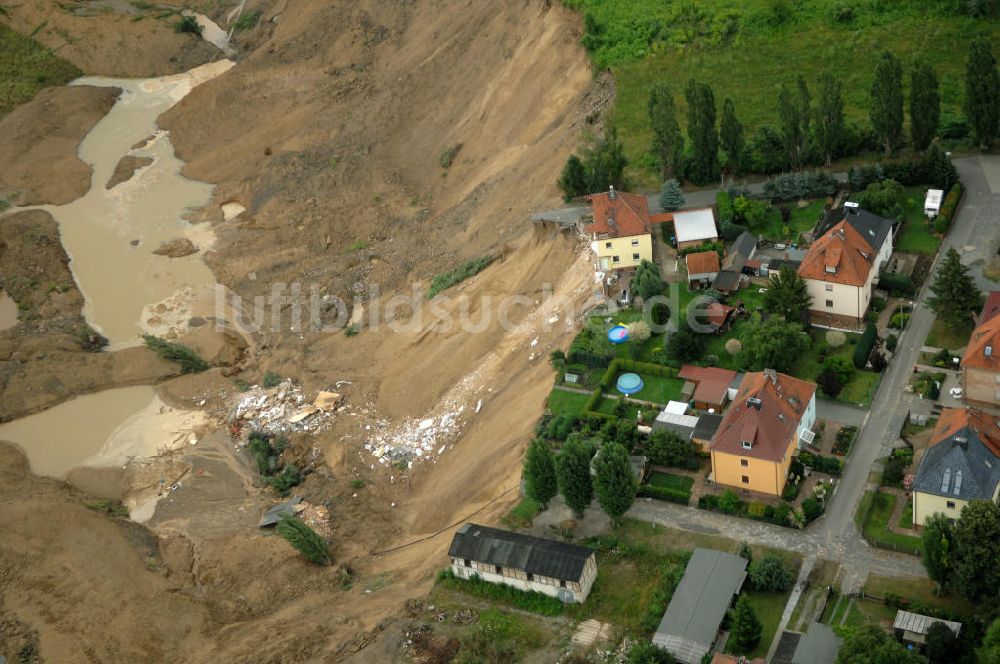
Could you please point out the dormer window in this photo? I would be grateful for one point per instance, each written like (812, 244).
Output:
(831, 269)
(747, 445)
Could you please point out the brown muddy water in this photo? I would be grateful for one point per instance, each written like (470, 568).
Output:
(66, 435)
(8, 311)
(110, 235)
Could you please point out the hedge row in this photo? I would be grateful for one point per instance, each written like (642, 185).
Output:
(591, 404)
(822, 464)
(865, 345)
(758, 512)
(649, 368)
(948, 208)
(897, 285)
(724, 202)
(528, 600)
(664, 493)
(794, 186)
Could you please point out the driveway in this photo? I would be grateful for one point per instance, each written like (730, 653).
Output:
(840, 412)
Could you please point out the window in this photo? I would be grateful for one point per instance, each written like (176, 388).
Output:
(636, 257)
(829, 303)
(998, 379)
(829, 287)
(746, 479)
(467, 563)
(635, 243)
(562, 584)
(499, 569)
(744, 463)
(996, 395)
(531, 577)
(607, 245)
(616, 259)
(747, 445)
(951, 504)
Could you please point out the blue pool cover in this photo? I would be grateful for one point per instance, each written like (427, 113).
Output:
(618, 334)
(629, 383)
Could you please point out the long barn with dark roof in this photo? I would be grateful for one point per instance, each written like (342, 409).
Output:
(561, 570)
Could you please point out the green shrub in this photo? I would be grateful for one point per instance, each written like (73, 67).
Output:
(724, 202)
(891, 342)
(187, 24)
(898, 285)
(526, 600)
(729, 502)
(812, 509)
(284, 481)
(174, 352)
(351, 330)
(790, 492)
(669, 494)
(948, 208)
(795, 186)
(247, 21)
(899, 321)
(270, 379)
(466, 270)
(865, 345)
(305, 540)
(448, 156)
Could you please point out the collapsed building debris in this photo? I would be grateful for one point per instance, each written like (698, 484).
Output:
(280, 410)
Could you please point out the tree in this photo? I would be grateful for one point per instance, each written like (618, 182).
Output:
(787, 295)
(668, 143)
(770, 575)
(702, 132)
(605, 163)
(639, 331)
(685, 344)
(745, 552)
(744, 626)
(989, 653)
(842, 367)
(573, 181)
(938, 169)
(886, 103)
(942, 644)
(733, 347)
(982, 87)
(870, 645)
(645, 652)
(955, 295)
(937, 546)
(925, 105)
(614, 482)
(729, 502)
(830, 383)
(731, 137)
(540, 482)
(772, 344)
(647, 282)
(794, 111)
(573, 474)
(305, 540)
(884, 198)
(671, 197)
(666, 448)
(976, 558)
(749, 211)
(830, 126)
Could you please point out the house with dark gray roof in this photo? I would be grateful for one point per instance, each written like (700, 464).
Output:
(742, 250)
(558, 569)
(819, 645)
(690, 626)
(873, 228)
(708, 424)
(961, 463)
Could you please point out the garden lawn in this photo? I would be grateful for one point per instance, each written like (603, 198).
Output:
(858, 390)
(658, 389)
(564, 402)
(743, 47)
(768, 607)
(943, 335)
(906, 518)
(800, 221)
(917, 234)
(670, 481)
(919, 589)
(522, 514)
(877, 526)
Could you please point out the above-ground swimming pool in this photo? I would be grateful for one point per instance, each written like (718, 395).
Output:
(629, 383)
(618, 334)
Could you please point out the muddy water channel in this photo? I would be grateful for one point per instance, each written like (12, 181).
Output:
(110, 235)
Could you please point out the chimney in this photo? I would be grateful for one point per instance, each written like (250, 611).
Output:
(611, 192)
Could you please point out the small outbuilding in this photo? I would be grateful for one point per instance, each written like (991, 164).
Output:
(690, 626)
(913, 627)
(558, 569)
(694, 227)
(702, 267)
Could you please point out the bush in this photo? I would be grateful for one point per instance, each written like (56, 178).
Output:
(948, 209)
(174, 352)
(795, 186)
(724, 202)
(187, 24)
(898, 285)
(865, 345)
(708, 501)
(770, 574)
(247, 21)
(790, 492)
(466, 270)
(668, 494)
(812, 509)
(891, 341)
(820, 464)
(448, 156)
(733, 347)
(729, 502)
(835, 338)
(305, 540)
(352, 330)
(899, 321)
(270, 380)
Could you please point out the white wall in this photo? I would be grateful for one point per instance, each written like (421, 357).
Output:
(846, 300)
(551, 587)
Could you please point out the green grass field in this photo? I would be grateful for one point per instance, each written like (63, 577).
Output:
(800, 221)
(943, 335)
(563, 402)
(658, 389)
(26, 67)
(670, 481)
(917, 235)
(809, 366)
(768, 607)
(744, 48)
(877, 526)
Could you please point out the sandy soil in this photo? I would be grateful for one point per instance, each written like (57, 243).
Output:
(40, 138)
(329, 132)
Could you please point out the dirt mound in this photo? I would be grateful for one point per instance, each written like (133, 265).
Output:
(126, 168)
(112, 38)
(176, 248)
(39, 140)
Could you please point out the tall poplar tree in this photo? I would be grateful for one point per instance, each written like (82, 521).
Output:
(886, 102)
(925, 105)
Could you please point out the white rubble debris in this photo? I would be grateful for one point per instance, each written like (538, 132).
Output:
(282, 409)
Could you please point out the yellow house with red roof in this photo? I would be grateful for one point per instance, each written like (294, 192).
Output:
(981, 362)
(759, 434)
(620, 233)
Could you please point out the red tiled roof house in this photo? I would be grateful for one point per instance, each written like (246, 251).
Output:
(769, 417)
(620, 232)
(981, 362)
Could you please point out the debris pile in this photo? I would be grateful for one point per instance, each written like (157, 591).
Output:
(426, 438)
(281, 409)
